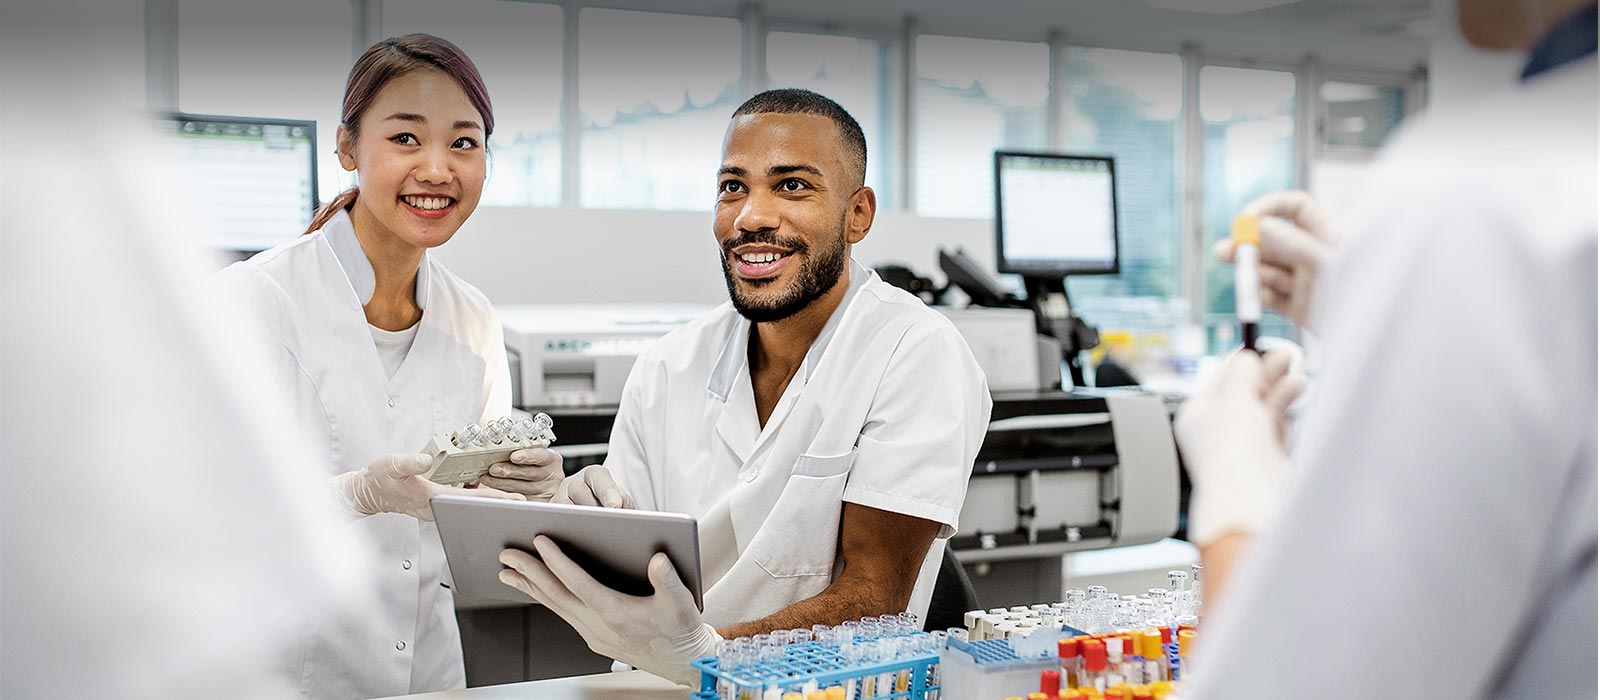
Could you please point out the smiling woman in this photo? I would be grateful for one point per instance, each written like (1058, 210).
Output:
(381, 347)
(387, 61)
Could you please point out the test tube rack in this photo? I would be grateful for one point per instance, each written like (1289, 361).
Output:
(465, 455)
(824, 665)
(992, 668)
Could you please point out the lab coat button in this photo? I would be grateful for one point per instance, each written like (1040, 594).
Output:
(406, 565)
(749, 475)
(400, 646)
(391, 402)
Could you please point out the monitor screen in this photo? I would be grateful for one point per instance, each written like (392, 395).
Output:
(250, 183)
(1055, 215)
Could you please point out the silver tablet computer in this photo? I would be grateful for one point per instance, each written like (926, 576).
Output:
(613, 545)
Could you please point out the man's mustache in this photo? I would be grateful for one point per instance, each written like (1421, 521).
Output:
(765, 237)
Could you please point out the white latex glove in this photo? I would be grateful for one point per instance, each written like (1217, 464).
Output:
(660, 633)
(535, 473)
(593, 486)
(392, 484)
(1231, 434)
(1297, 237)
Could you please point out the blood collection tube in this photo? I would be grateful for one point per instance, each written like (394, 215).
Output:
(1094, 665)
(1247, 276)
(1049, 682)
(1185, 646)
(1155, 658)
(1071, 663)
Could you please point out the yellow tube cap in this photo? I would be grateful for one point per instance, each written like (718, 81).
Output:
(1185, 640)
(1247, 229)
(837, 693)
(1150, 644)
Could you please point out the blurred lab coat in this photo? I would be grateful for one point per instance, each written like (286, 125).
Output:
(1439, 534)
(158, 541)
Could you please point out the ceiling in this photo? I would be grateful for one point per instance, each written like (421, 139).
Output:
(1367, 33)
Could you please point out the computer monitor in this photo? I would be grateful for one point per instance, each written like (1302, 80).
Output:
(250, 183)
(1055, 215)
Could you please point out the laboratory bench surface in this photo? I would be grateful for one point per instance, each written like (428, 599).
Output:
(600, 686)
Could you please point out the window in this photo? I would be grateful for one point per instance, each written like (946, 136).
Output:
(1359, 116)
(232, 61)
(974, 96)
(655, 92)
(517, 46)
(852, 72)
(1126, 104)
(1248, 117)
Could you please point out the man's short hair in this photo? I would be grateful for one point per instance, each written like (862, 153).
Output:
(797, 101)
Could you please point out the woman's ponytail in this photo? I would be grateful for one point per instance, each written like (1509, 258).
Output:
(341, 201)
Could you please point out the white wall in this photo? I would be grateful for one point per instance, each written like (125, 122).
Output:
(522, 255)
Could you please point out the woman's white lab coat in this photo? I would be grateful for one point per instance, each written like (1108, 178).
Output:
(307, 297)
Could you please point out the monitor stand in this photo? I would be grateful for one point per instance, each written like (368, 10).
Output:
(1052, 313)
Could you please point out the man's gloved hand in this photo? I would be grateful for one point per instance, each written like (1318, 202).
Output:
(1297, 238)
(593, 486)
(535, 473)
(660, 633)
(1231, 434)
(393, 484)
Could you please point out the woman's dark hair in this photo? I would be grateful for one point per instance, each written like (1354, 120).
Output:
(390, 59)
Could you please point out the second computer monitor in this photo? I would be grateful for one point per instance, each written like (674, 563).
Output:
(1054, 215)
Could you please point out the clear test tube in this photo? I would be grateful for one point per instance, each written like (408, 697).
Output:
(780, 638)
(823, 634)
(870, 629)
(888, 651)
(727, 653)
(910, 622)
(763, 647)
(890, 625)
(848, 632)
(800, 636)
(958, 633)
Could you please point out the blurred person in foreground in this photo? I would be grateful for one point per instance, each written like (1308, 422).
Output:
(156, 545)
(1435, 530)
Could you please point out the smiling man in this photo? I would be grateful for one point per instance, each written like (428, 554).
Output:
(821, 426)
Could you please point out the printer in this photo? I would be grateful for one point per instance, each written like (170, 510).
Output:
(579, 355)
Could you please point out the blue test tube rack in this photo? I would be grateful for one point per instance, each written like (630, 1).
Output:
(824, 664)
(993, 669)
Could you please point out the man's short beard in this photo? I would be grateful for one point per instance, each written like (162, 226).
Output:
(818, 275)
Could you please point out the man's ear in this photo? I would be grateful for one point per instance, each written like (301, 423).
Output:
(863, 208)
(345, 144)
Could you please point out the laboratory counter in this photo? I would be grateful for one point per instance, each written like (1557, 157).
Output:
(628, 685)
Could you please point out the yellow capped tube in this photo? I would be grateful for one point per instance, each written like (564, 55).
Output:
(1247, 276)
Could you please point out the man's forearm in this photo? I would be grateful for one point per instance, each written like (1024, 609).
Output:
(842, 600)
